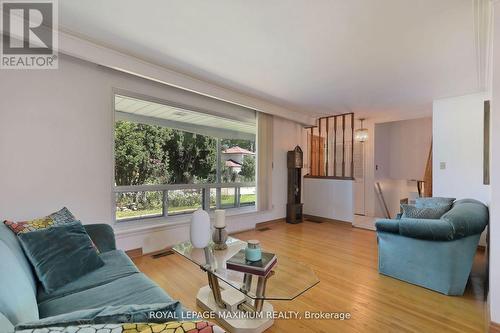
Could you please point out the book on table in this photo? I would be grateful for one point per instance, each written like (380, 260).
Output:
(261, 267)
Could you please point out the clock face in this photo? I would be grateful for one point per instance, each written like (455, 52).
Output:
(298, 160)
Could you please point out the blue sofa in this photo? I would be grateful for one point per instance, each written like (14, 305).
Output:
(433, 253)
(118, 282)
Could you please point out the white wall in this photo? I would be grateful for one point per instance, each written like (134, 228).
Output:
(56, 129)
(329, 198)
(402, 148)
(458, 142)
(400, 156)
(55, 142)
(494, 227)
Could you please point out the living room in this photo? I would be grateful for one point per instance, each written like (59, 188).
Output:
(146, 147)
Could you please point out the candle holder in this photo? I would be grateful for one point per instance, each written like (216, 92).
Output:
(219, 237)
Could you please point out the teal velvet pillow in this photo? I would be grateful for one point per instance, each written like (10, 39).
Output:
(60, 254)
(413, 212)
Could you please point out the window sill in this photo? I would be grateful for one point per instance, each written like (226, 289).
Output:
(148, 224)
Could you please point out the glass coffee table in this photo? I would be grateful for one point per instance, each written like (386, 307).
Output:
(240, 300)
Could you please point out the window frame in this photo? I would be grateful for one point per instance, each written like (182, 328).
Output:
(165, 188)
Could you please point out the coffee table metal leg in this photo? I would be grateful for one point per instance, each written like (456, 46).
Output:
(247, 282)
(260, 293)
(213, 282)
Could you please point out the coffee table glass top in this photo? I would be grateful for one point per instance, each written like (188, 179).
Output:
(290, 278)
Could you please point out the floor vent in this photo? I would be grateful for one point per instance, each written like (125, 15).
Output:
(315, 221)
(162, 254)
(263, 229)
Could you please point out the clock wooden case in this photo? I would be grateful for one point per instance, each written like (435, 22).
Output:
(294, 206)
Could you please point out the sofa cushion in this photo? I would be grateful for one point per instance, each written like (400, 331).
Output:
(102, 236)
(60, 254)
(132, 289)
(433, 202)
(17, 297)
(12, 242)
(116, 265)
(411, 211)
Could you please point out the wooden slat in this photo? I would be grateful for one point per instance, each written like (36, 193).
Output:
(311, 154)
(320, 158)
(343, 145)
(329, 177)
(486, 143)
(334, 146)
(327, 144)
(319, 148)
(428, 175)
(352, 145)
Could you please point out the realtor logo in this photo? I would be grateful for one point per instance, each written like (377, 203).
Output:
(29, 36)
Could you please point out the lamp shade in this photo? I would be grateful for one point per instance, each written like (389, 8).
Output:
(200, 229)
(361, 134)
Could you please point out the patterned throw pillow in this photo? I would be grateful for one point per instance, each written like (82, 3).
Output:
(412, 212)
(170, 327)
(60, 217)
(433, 202)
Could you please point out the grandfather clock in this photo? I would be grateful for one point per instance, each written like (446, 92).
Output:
(294, 206)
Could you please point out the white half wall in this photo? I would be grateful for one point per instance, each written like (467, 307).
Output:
(56, 129)
(329, 198)
(458, 144)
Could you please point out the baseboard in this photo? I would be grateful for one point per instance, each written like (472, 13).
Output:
(322, 219)
(494, 327)
(267, 223)
(258, 226)
(134, 253)
(365, 227)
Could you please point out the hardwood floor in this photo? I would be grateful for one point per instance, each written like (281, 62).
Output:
(345, 260)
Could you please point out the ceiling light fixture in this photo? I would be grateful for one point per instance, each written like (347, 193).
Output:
(361, 134)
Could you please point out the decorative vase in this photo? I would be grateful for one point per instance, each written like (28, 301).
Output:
(200, 229)
(253, 251)
(219, 237)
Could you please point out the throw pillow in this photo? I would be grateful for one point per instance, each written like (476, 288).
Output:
(60, 217)
(194, 326)
(60, 254)
(433, 202)
(413, 212)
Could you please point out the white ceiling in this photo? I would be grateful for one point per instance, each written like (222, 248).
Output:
(321, 56)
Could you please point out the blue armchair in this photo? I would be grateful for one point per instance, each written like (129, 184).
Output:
(433, 253)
